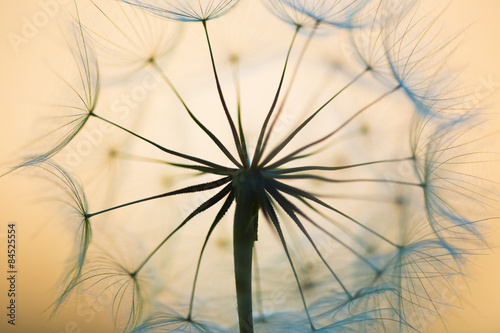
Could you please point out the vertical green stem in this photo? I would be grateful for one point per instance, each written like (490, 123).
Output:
(244, 237)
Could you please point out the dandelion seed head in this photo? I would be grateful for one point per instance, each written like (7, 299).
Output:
(126, 38)
(308, 14)
(77, 202)
(405, 46)
(82, 88)
(344, 200)
(449, 175)
(185, 10)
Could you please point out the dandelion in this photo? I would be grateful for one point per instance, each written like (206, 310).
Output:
(356, 219)
(84, 95)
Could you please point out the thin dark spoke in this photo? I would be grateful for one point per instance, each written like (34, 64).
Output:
(193, 117)
(221, 96)
(200, 168)
(285, 142)
(344, 229)
(225, 207)
(166, 150)
(294, 75)
(257, 153)
(270, 214)
(286, 159)
(330, 180)
(203, 207)
(356, 253)
(237, 87)
(189, 189)
(300, 193)
(335, 168)
(289, 208)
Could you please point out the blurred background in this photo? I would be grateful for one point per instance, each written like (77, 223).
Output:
(41, 253)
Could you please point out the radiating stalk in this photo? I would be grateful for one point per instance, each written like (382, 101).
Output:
(244, 237)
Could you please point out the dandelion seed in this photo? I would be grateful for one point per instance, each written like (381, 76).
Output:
(86, 93)
(78, 202)
(310, 14)
(186, 10)
(448, 177)
(405, 46)
(132, 37)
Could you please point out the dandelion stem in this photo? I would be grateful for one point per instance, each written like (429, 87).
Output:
(258, 153)
(205, 129)
(221, 96)
(244, 237)
(258, 286)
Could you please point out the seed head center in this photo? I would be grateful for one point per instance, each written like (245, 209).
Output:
(251, 181)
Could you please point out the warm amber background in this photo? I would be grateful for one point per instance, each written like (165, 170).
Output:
(40, 254)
